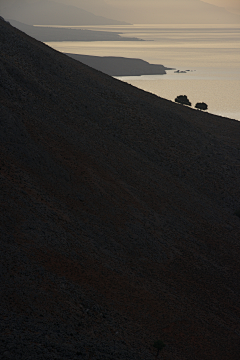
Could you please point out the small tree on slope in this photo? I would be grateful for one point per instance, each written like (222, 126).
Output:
(201, 106)
(182, 99)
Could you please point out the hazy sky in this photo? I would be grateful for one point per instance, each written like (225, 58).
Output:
(132, 10)
(233, 4)
(224, 3)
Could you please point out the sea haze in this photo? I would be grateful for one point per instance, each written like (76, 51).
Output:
(210, 52)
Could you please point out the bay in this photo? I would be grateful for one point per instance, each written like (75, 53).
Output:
(210, 53)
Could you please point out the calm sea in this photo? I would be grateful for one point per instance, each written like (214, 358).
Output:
(210, 52)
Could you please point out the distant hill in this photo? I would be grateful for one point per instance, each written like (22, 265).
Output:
(47, 12)
(47, 34)
(120, 66)
(162, 11)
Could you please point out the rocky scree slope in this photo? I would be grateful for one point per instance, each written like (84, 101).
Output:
(118, 222)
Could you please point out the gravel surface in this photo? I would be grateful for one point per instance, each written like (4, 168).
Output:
(118, 224)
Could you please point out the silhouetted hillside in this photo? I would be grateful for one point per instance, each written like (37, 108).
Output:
(118, 216)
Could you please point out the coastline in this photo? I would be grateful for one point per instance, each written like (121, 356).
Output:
(120, 66)
(47, 34)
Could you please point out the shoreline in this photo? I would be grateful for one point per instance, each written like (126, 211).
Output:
(48, 34)
(120, 66)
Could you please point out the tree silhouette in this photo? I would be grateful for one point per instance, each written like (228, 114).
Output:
(159, 345)
(182, 99)
(201, 106)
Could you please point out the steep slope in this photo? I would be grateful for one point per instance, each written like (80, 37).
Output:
(117, 216)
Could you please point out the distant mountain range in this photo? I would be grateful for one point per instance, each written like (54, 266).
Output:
(159, 12)
(48, 12)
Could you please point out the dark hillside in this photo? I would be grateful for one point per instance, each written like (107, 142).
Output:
(118, 223)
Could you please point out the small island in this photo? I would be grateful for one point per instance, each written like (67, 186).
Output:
(183, 71)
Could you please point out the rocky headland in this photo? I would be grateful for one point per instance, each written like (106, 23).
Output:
(120, 66)
(48, 34)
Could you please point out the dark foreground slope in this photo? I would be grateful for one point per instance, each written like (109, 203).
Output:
(117, 216)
